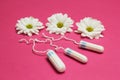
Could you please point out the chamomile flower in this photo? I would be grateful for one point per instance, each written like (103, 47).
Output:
(28, 25)
(89, 27)
(59, 23)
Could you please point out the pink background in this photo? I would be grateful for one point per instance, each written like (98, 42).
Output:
(17, 62)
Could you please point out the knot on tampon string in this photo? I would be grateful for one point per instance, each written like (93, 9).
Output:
(61, 37)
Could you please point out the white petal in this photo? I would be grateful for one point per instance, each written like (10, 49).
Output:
(90, 37)
(83, 34)
(101, 36)
(62, 33)
(57, 33)
(59, 17)
(69, 30)
(77, 31)
(36, 30)
(36, 33)
(97, 37)
(40, 27)
(29, 34)
(17, 28)
(19, 32)
(50, 32)
(25, 32)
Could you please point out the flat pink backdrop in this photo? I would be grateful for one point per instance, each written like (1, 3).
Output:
(17, 61)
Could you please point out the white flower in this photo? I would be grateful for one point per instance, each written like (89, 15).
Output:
(59, 23)
(89, 27)
(28, 25)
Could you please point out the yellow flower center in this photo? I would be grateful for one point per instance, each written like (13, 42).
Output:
(60, 24)
(90, 29)
(29, 26)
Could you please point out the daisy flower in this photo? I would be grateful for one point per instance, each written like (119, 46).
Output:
(59, 23)
(89, 27)
(28, 25)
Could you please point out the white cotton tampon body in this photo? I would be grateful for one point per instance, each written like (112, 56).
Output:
(76, 55)
(56, 61)
(91, 46)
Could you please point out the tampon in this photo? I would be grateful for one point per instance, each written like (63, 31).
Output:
(56, 61)
(76, 55)
(91, 46)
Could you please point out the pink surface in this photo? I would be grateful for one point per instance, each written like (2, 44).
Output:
(17, 62)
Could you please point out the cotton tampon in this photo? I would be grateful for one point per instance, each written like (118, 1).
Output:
(76, 55)
(56, 61)
(91, 46)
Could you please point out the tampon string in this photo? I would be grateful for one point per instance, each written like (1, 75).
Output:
(40, 52)
(62, 37)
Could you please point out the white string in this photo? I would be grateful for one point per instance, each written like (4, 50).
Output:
(62, 37)
(26, 41)
(74, 41)
(37, 52)
(53, 45)
(34, 44)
